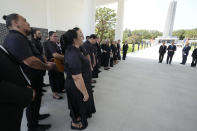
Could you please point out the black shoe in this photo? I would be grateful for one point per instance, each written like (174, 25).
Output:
(36, 129)
(43, 116)
(44, 126)
(44, 90)
(92, 86)
(45, 85)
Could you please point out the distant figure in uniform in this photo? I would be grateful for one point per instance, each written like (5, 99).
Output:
(162, 51)
(171, 49)
(185, 52)
(125, 49)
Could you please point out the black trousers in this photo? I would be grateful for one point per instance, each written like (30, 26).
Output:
(106, 58)
(194, 61)
(56, 80)
(10, 117)
(169, 57)
(161, 56)
(95, 71)
(184, 59)
(111, 62)
(124, 54)
(32, 111)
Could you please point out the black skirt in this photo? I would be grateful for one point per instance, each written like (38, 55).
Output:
(79, 108)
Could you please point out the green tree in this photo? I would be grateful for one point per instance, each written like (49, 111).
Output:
(105, 23)
(180, 34)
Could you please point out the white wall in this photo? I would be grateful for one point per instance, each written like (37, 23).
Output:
(67, 13)
(33, 10)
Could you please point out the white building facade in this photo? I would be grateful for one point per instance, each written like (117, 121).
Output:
(61, 14)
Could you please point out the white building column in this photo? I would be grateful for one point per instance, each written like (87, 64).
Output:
(50, 11)
(120, 20)
(89, 17)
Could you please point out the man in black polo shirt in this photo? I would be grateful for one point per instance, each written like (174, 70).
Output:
(88, 45)
(56, 78)
(18, 45)
(36, 40)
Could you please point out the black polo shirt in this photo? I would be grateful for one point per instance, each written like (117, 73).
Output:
(51, 48)
(38, 45)
(89, 49)
(18, 45)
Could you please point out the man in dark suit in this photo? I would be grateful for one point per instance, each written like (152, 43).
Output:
(185, 52)
(162, 51)
(125, 49)
(15, 92)
(171, 49)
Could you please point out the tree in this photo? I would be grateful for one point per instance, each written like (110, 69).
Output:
(105, 23)
(180, 34)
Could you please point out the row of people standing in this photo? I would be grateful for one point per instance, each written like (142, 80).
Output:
(110, 53)
(22, 74)
(171, 51)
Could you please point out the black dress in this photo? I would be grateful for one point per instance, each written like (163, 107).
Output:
(76, 63)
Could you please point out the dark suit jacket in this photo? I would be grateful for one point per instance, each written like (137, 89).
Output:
(125, 47)
(162, 49)
(171, 49)
(14, 94)
(186, 50)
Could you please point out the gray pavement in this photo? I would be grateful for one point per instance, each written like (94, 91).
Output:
(138, 94)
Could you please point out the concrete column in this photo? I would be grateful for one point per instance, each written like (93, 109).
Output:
(120, 20)
(50, 11)
(89, 17)
(170, 19)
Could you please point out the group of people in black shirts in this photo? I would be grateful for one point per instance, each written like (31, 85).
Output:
(171, 51)
(24, 65)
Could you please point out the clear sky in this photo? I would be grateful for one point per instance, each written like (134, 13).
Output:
(151, 14)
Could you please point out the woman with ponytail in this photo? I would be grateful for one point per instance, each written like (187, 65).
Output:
(77, 91)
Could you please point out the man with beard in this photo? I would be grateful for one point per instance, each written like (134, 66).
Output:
(18, 45)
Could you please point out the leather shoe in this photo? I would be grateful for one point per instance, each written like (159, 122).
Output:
(43, 116)
(36, 129)
(44, 126)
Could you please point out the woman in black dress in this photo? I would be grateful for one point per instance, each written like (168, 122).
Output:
(79, 96)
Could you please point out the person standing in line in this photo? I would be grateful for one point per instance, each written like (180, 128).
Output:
(18, 45)
(162, 51)
(185, 53)
(171, 50)
(125, 49)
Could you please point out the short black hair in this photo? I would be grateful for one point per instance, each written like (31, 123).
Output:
(9, 18)
(93, 36)
(87, 37)
(51, 33)
(34, 30)
(76, 28)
